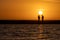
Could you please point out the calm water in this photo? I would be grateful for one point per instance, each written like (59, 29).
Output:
(29, 32)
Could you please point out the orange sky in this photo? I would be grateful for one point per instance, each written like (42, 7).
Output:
(28, 9)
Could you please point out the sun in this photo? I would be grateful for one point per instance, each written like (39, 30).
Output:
(40, 12)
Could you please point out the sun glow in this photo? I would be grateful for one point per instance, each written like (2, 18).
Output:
(40, 12)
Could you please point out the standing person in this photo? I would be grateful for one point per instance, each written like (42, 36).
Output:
(38, 19)
(42, 19)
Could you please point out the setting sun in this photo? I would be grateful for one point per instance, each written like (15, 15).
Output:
(29, 9)
(40, 13)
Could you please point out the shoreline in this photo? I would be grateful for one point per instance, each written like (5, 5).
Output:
(29, 22)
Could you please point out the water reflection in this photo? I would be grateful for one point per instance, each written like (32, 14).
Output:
(41, 34)
(49, 32)
(30, 31)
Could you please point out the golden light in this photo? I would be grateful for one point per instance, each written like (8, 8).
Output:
(40, 12)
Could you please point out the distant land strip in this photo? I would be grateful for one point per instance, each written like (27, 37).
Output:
(29, 22)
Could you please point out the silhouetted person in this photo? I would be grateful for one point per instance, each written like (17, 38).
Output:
(38, 18)
(42, 19)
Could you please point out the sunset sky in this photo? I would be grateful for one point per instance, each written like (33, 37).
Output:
(28, 9)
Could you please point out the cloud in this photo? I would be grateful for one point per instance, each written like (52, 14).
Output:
(32, 1)
(53, 0)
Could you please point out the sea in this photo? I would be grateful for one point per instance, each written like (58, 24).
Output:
(29, 31)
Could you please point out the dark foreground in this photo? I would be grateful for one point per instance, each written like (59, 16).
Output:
(29, 22)
(29, 32)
